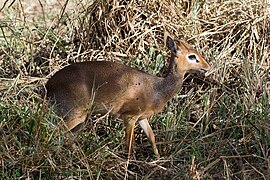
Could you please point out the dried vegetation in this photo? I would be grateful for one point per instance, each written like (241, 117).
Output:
(216, 127)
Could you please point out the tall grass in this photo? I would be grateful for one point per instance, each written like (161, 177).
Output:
(215, 128)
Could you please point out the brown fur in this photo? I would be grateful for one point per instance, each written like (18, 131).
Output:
(126, 92)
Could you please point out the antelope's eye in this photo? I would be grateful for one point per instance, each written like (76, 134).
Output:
(193, 57)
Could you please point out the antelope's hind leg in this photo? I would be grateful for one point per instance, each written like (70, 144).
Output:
(75, 120)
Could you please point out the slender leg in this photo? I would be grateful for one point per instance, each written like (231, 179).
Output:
(77, 117)
(73, 122)
(130, 125)
(149, 133)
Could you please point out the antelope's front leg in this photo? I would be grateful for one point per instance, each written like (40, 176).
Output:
(149, 133)
(130, 125)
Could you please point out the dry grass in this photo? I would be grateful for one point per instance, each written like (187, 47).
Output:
(215, 128)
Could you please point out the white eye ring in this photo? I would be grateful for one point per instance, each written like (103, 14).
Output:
(192, 58)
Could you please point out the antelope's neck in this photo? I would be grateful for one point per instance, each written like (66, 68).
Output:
(169, 86)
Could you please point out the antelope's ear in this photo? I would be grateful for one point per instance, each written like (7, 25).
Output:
(170, 43)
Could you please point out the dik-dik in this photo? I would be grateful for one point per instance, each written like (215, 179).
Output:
(126, 93)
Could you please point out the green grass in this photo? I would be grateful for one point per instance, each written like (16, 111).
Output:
(216, 127)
